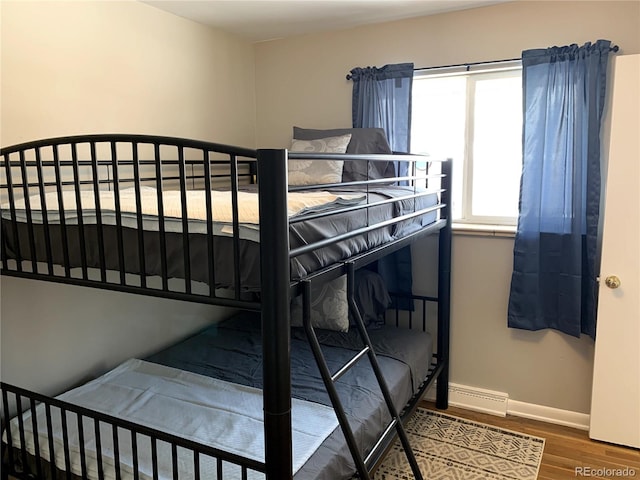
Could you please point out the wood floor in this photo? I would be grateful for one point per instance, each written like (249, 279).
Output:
(566, 449)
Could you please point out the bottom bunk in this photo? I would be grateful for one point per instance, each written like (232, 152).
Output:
(186, 430)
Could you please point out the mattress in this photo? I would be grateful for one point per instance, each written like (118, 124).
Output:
(208, 411)
(231, 352)
(226, 250)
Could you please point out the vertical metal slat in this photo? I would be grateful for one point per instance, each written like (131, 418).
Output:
(4, 256)
(65, 442)
(185, 221)
(368, 201)
(134, 455)
(424, 315)
(83, 453)
(27, 208)
(219, 465)
(136, 180)
(96, 425)
(99, 226)
(410, 319)
(9, 445)
(397, 314)
(116, 452)
(63, 220)
(3, 244)
(52, 452)
(414, 181)
(45, 212)
(154, 457)
(196, 465)
(116, 199)
(23, 444)
(236, 225)
(210, 251)
(36, 439)
(174, 461)
(12, 209)
(76, 186)
(161, 227)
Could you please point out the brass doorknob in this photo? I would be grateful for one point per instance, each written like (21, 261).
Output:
(612, 281)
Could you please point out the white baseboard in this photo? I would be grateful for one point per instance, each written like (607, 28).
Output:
(549, 414)
(498, 403)
(477, 399)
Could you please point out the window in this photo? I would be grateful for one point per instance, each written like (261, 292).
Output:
(476, 119)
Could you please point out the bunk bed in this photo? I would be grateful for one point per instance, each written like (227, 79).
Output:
(218, 224)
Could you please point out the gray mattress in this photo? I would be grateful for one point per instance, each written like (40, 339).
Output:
(232, 351)
(301, 233)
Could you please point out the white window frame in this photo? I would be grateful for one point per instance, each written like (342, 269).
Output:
(473, 74)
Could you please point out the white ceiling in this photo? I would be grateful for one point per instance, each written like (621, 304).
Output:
(260, 20)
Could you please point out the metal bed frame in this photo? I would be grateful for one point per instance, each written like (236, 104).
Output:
(99, 162)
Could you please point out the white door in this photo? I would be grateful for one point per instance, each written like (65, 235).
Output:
(615, 403)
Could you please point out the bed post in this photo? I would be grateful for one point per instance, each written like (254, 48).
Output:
(444, 289)
(276, 337)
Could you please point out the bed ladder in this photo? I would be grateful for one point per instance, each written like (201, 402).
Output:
(330, 379)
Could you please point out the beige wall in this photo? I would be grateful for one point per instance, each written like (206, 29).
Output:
(72, 67)
(301, 81)
(95, 67)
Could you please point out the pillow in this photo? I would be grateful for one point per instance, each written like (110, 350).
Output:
(363, 140)
(313, 172)
(329, 306)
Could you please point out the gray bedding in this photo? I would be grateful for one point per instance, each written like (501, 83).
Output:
(231, 351)
(301, 234)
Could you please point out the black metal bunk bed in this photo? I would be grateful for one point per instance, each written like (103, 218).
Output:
(41, 240)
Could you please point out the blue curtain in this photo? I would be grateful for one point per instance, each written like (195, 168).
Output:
(382, 99)
(555, 263)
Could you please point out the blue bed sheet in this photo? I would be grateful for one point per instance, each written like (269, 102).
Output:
(232, 351)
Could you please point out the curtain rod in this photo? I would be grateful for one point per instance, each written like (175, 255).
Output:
(613, 48)
(468, 65)
(442, 67)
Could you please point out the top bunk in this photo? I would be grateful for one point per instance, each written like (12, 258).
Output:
(206, 222)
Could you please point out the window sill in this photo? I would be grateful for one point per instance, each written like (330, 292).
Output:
(481, 230)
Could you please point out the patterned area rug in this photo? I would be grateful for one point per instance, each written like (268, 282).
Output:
(450, 448)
